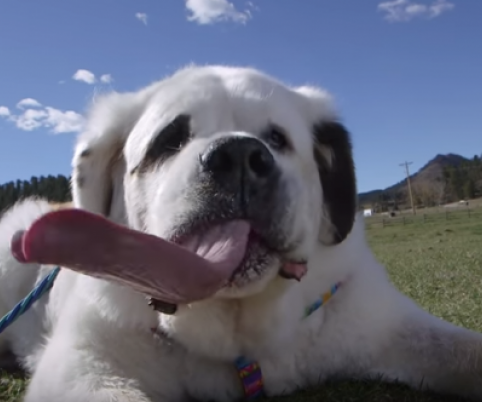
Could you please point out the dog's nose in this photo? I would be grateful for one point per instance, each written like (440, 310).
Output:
(238, 158)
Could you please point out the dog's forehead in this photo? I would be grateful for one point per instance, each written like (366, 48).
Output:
(219, 99)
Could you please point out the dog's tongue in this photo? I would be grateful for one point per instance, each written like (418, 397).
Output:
(95, 246)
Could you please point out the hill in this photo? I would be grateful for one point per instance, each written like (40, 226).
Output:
(445, 178)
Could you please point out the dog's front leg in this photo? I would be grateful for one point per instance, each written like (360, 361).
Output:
(76, 379)
(75, 369)
(424, 351)
(113, 390)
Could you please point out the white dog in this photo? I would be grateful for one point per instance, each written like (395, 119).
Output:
(205, 147)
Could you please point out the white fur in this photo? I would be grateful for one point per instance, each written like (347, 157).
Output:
(89, 340)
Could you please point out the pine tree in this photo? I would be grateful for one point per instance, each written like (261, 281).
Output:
(52, 188)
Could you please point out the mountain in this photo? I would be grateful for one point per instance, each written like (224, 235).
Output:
(430, 176)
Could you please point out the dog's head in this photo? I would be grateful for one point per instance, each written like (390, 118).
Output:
(212, 145)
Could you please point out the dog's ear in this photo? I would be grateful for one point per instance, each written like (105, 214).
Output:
(98, 162)
(333, 155)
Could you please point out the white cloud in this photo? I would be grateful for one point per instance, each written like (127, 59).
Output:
(56, 120)
(89, 77)
(210, 11)
(30, 119)
(142, 17)
(4, 111)
(440, 6)
(28, 102)
(63, 121)
(85, 76)
(406, 10)
(106, 78)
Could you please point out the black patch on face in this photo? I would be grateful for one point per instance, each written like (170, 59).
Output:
(167, 143)
(85, 153)
(338, 179)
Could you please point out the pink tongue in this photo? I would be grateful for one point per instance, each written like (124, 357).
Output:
(95, 246)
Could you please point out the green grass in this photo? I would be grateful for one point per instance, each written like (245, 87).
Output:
(11, 387)
(438, 263)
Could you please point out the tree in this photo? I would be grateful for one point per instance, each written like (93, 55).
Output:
(470, 189)
(429, 193)
(464, 181)
(55, 189)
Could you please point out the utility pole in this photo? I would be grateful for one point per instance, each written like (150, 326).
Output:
(406, 164)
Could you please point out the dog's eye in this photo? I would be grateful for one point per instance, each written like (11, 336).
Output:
(170, 140)
(276, 138)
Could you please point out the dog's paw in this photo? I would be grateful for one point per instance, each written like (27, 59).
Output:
(119, 395)
(81, 393)
(100, 396)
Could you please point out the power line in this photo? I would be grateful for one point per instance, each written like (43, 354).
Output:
(406, 164)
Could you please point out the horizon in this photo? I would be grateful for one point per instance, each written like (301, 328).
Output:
(403, 73)
(412, 174)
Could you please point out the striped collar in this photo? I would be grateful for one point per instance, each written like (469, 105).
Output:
(249, 371)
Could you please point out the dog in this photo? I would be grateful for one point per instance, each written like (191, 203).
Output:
(206, 146)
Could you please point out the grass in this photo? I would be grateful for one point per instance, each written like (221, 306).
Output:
(11, 387)
(438, 263)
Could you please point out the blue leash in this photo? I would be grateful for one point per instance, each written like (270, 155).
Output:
(37, 292)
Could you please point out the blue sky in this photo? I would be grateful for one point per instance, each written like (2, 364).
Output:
(407, 75)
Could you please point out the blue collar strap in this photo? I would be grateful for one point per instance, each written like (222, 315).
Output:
(23, 305)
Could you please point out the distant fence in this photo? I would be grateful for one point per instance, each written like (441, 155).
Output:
(381, 221)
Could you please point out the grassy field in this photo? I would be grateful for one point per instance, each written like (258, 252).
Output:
(437, 262)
